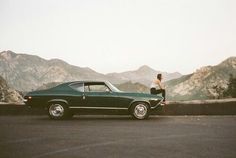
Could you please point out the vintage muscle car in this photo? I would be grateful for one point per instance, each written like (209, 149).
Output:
(69, 98)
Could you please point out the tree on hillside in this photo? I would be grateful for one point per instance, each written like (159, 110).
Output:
(231, 90)
(219, 91)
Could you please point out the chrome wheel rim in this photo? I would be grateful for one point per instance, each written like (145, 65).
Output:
(56, 110)
(140, 111)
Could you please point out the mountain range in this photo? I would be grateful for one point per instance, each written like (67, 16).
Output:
(144, 75)
(28, 72)
(208, 82)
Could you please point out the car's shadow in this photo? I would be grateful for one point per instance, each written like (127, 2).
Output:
(104, 118)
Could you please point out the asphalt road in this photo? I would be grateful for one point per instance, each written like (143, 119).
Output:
(118, 136)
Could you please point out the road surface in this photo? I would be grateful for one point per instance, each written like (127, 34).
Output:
(118, 136)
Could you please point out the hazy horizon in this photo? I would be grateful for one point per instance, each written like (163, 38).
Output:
(117, 35)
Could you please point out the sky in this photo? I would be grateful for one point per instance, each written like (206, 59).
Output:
(120, 35)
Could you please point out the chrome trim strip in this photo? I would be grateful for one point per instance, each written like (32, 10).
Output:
(108, 108)
(58, 100)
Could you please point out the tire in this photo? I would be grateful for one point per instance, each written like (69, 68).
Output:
(140, 110)
(58, 111)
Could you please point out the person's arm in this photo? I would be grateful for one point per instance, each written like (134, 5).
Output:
(159, 84)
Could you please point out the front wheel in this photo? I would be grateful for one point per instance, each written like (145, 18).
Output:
(58, 111)
(140, 111)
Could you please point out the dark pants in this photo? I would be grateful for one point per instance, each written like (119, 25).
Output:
(158, 91)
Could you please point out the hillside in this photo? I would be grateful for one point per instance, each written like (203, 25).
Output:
(29, 72)
(206, 83)
(48, 85)
(8, 94)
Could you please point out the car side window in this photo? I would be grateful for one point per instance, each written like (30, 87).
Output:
(96, 88)
(78, 87)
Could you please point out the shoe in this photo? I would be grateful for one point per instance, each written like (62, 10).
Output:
(163, 103)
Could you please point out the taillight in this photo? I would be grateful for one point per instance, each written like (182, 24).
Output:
(27, 98)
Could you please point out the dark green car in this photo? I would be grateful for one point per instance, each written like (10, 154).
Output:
(66, 99)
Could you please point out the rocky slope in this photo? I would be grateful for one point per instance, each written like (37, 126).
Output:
(206, 83)
(8, 94)
(48, 85)
(28, 72)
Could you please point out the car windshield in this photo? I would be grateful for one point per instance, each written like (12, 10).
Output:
(112, 87)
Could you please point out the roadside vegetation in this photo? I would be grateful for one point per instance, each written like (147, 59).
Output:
(231, 90)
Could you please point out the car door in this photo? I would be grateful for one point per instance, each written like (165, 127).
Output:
(122, 100)
(77, 97)
(99, 96)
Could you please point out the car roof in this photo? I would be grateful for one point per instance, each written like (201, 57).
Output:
(86, 81)
(62, 85)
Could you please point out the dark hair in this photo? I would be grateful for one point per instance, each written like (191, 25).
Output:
(159, 76)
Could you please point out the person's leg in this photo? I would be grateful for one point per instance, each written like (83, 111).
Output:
(163, 93)
(153, 91)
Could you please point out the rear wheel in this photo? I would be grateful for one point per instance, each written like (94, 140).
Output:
(140, 110)
(58, 111)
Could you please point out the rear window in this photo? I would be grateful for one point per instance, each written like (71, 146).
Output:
(78, 87)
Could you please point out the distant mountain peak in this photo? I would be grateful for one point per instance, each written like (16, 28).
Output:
(145, 68)
(229, 61)
(8, 55)
(58, 61)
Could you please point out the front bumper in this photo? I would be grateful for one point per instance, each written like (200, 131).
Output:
(155, 103)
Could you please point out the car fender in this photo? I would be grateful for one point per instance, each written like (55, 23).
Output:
(139, 100)
(58, 100)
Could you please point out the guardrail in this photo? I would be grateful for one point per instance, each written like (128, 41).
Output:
(196, 107)
(200, 107)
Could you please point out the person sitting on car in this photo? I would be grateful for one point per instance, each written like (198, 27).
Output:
(157, 87)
